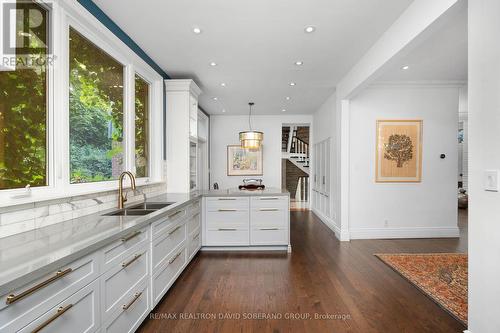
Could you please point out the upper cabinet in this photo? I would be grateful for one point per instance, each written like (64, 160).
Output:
(181, 134)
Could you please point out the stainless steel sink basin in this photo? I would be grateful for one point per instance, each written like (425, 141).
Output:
(151, 205)
(130, 212)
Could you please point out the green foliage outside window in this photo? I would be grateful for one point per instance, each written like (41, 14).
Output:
(95, 112)
(141, 126)
(23, 112)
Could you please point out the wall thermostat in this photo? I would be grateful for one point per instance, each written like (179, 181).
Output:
(491, 180)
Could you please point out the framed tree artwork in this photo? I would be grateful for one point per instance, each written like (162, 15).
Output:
(244, 162)
(399, 151)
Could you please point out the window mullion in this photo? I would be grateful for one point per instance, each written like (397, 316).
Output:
(129, 119)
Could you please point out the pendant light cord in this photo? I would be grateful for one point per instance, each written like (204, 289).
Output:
(250, 116)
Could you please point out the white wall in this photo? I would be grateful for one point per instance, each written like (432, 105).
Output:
(426, 209)
(224, 131)
(484, 153)
(325, 125)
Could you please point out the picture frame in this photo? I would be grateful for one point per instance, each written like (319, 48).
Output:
(244, 162)
(398, 157)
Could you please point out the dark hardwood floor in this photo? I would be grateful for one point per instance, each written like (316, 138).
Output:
(321, 277)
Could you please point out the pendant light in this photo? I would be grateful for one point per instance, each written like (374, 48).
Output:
(251, 139)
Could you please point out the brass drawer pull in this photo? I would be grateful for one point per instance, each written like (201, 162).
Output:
(228, 210)
(126, 264)
(175, 214)
(171, 261)
(196, 236)
(269, 198)
(226, 199)
(60, 311)
(59, 274)
(136, 297)
(227, 229)
(269, 229)
(269, 209)
(130, 236)
(171, 232)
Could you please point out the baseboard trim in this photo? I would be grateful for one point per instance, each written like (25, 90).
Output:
(330, 223)
(422, 232)
(286, 248)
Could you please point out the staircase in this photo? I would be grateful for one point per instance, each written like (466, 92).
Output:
(296, 151)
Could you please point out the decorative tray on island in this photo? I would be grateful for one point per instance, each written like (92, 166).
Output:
(252, 185)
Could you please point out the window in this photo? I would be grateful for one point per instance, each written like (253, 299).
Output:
(23, 102)
(141, 127)
(95, 112)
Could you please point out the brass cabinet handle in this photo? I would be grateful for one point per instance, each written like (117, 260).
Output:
(269, 229)
(227, 210)
(171, 261)
(269, 198)
(227, 229)
(269, 209)
(171, 232)
(60, 311)
(126, 264)
(136, 297)
(175, 214)
(59, 274)
(226, 199)
(196, 236)
(130, 236)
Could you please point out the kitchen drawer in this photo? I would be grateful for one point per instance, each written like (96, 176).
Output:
(118, 281)
(269, 217)
(161, 226)
(116, 252)
(79, 313)
(194, 207)
(166, 275)
(228, 237)
(269, 236)
(194, 243)
(216, 203)
(227, 219)
(131, 312)
(43, 294)
(193, 223)
(269, 202)
(163, 246)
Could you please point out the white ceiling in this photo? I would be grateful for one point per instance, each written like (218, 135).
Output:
(255, 45)
(440, 57)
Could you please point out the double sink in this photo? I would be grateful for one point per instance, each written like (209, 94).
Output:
(144, 208)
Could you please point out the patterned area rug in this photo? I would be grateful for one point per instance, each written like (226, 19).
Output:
(441, 276)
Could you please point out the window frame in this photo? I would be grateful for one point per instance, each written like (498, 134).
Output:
(62, 16)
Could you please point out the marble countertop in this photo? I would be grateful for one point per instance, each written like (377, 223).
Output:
(33, 254)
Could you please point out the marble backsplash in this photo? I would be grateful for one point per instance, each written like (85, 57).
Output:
(25, 217)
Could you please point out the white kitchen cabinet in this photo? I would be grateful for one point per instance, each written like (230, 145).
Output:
(79, 313)
(181, 134)
(250, 221)
(167, 273)
(321, 189)
(45, 293)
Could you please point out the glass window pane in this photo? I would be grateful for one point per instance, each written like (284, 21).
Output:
(95, 112)
(23, 101)
(141, 127)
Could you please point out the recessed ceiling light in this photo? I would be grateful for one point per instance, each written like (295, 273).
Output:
(287, 98)
(223, 84)
(299, 63)
(213, 64)
(405, 67)
(284, 110)
(197, 30)
(309, 29)
(223, 110)
(215, 98)
(292, 83)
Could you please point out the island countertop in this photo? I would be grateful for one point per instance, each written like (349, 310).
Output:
(35, 253)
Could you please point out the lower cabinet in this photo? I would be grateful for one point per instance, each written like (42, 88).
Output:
(112, 289)
(247, 221)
